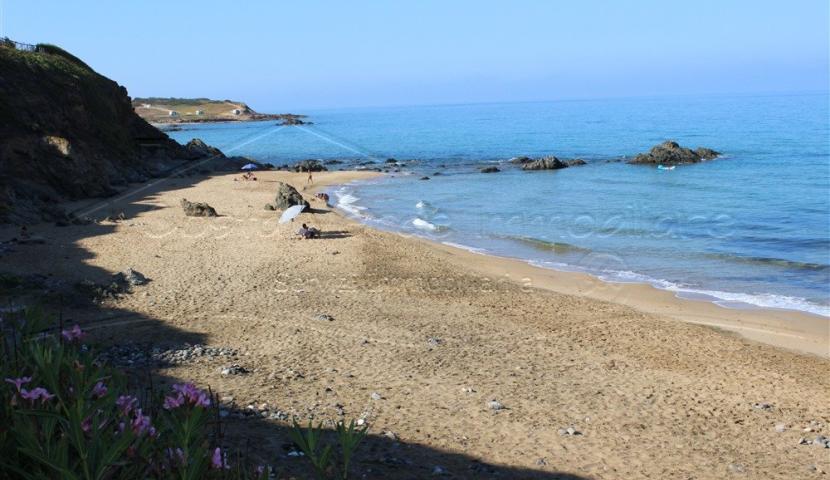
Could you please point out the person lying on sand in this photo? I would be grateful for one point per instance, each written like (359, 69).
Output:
(308, 232)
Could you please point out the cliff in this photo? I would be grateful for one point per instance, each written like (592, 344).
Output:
(67, 133)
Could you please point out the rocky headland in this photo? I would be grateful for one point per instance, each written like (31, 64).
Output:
(169, 110)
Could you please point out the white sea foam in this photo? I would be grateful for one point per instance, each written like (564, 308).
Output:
(348, 203)
(764, 300)
(723, 299)
(424, 225)
(468, 248)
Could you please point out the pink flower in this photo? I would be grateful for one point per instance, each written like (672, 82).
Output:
(172, 403)
(187, 394)
(176, 455)
(141, 424)
(72, 334)
(86, 425)
(35, 394)
(217, 460)
(99, 390)
(19, 382)
(126, 403)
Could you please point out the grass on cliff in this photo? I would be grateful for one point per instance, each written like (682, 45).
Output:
(49, 59)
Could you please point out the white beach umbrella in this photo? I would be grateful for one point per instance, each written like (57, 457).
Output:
(290, 213)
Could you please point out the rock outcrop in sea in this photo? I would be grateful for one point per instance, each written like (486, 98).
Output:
(199, 149)
(309, 166)
(671, 153)
(546, 163)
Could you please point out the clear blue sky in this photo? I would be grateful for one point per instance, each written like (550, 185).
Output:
(291, 55)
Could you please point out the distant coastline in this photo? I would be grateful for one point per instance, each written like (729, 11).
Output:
(170, 110)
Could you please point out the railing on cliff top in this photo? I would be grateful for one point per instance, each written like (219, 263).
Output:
(8, 42)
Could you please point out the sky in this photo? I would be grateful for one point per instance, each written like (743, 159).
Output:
(287, 56)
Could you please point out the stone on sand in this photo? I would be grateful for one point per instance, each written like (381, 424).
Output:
(287, 196)
(495, 405)
(197, 209)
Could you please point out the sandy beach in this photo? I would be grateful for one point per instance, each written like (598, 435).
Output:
(421, 337)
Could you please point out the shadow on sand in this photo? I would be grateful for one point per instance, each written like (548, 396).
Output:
(264, 440)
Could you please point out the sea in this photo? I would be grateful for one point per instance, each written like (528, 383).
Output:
(749, 229)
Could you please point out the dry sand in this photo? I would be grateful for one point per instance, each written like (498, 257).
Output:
(438, 333)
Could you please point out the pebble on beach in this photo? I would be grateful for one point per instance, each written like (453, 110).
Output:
(495, 405)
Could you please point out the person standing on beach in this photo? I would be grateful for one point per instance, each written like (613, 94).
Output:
(310, 180)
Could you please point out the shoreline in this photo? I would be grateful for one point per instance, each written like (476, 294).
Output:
(418, 339)
(791, 329)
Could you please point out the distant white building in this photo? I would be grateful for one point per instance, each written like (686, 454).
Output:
(146, 105)
(200, 112)
(172, 113)
(237, 111)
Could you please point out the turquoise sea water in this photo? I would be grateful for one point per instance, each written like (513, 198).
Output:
(751, 228)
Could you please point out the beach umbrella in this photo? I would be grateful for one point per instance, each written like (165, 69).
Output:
(250, 166)
(290, 213)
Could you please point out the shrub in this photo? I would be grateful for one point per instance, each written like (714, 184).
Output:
(64, 414)
(56, 50)
(325, 464)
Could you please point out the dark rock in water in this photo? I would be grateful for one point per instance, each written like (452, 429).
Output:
(333, 162)
(424, 178)
(197, 209)
(200, 149)
(289, 120)
(287, 196)
(706, 153)
(490, 170)
(391, 160)
(670, 153)
(521, 160)
(546, 163)
(309, 166)
(434, 174)
(576, 162)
